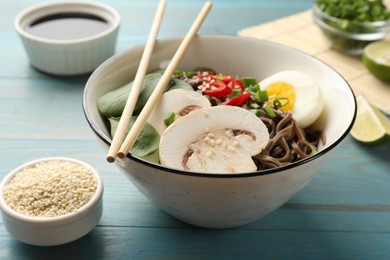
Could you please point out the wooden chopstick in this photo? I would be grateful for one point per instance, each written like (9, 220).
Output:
(136, 88)
(159, 89)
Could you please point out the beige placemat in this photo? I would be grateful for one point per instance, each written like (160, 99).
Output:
(300, 32)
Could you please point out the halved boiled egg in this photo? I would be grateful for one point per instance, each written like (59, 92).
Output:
(296, 92)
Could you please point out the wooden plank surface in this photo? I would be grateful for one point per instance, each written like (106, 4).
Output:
(343, 213)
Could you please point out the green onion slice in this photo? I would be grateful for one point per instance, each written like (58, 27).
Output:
(269, 111)
(169, 119)
(280, 102)
(235, 93)
(255, 111)
(261, 96)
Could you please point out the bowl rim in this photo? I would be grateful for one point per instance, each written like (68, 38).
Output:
(57, 220)
(29, 11)
(321, 153)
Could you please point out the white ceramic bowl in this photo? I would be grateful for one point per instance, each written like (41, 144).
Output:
(68, 56)
(49, 231)
(224, 200)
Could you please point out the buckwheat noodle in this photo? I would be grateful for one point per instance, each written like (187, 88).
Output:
(288, 142)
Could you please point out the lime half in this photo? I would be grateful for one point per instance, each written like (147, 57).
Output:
(371, 125)
(376, 58)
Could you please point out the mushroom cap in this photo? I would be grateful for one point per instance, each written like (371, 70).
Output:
(186, 143)
(175, 100)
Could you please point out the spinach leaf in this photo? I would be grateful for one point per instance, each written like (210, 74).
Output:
(147, 141)
(112, 103)
(178, 83)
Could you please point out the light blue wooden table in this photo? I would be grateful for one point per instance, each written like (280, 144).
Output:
(343, 213)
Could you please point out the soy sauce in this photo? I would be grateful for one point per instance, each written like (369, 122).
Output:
(68, 26)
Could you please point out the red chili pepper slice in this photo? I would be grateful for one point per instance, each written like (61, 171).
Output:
(238, 101)
(237, 84)
(217, 89)
(227, 79)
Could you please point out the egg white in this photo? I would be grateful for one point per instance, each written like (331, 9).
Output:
(309, 99)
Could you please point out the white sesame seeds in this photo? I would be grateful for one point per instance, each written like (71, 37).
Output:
(229, 133)
(50, 189)
(224, 139)
(231, 148)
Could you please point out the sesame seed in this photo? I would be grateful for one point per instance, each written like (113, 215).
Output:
(50, 189)
(229, 133)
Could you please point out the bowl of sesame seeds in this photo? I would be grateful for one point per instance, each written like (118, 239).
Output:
(51, 201)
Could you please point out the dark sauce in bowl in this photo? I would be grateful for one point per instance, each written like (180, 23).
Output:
(67, 26)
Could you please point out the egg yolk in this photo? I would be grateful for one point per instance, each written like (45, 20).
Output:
(284, 93)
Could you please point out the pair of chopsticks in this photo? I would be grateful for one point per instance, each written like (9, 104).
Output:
(119, 147)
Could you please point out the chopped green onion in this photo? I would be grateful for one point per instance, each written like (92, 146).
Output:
(249, 82)
(254, 105)
(169, 119)
(313, 152)
(218, 77)
(269, 111)
(355, 10)
(278, 104)
(182, 73)
(190, 74)
(235, 93)
(178, 72)
(255, 111)
(261, 96)
(253, 88)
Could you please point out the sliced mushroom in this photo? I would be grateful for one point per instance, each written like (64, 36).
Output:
(178, 101)
(219, 139)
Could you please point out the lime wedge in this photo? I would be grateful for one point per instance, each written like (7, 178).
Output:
(376, 58)
(371, 125)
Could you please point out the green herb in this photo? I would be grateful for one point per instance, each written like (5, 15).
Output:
(261, 96)
(169, 119)
(182, 73)
(254, 105)
(354, 17)
(269, 111)
(355, 10)
(278, 102)
(249, 83)
(257, 112)
(235, 93)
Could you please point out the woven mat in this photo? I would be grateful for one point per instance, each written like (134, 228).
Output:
(299, 31)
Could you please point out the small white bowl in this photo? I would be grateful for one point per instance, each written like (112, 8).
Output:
(50, 231)
(68, 56)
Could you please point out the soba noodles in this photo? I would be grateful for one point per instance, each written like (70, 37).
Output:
(288, 142)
